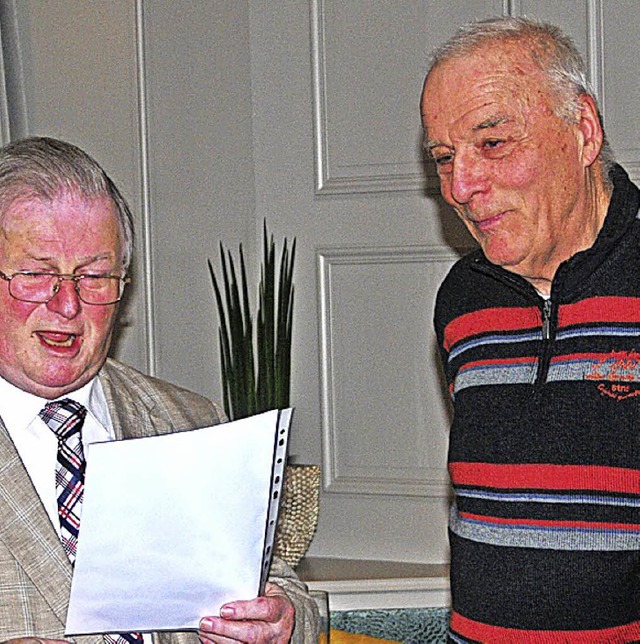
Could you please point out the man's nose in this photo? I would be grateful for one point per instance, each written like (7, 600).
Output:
(65, 301)
(467, 178)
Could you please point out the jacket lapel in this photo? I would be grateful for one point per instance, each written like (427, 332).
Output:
(26, 531)
(130, 416)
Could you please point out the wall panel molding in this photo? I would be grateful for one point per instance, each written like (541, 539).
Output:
(595, 49)
(596, 52)
(357, 289)
(145, 195)
(12, 101)
(618, 69)
(333, 176)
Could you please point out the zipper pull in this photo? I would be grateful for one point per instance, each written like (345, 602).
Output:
(546, 320)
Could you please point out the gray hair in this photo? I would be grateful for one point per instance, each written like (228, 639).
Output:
(44, 168)
(553, 51)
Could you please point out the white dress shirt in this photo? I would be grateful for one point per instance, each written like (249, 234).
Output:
(37, 445)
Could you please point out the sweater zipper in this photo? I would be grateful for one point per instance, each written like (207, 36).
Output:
(545, 352)
(546, 320)
(546, 313)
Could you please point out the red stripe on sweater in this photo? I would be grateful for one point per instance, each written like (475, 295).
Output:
(546, 477)
(487, 320)
(600, 309)
(538, 523)
(471, 629)
(627, 359)
(495, 362)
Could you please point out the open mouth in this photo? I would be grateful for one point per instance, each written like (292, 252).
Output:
(55, 339)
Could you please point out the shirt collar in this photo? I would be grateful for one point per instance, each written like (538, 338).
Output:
(19, 407)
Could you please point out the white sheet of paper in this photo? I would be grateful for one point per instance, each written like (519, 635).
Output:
(173, 526)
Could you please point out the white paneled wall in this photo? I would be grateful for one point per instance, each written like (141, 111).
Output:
(380, 390)
(215, 115)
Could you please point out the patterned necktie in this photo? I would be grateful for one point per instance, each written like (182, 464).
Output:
(65, 418)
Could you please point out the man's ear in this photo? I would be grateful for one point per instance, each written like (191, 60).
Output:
(590, 129)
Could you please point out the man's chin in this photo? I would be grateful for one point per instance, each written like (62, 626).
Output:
(502, 257)
(52, 386)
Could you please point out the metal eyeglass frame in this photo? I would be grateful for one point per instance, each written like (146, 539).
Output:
(61, 277)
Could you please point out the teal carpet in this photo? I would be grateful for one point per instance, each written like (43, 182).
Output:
(407, 625)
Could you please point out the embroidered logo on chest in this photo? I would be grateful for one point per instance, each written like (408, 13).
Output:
(618, 373)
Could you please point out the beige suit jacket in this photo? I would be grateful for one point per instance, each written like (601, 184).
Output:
(35, 573)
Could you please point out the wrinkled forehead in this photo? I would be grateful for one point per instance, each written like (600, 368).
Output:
(25, 204)
(510, 53)
(69, 212)
(497, 77)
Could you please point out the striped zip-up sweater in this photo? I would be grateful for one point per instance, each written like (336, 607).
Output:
(544, 452)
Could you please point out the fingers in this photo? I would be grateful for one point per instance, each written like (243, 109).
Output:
(223, 631)
(265, 620)
(269, 608)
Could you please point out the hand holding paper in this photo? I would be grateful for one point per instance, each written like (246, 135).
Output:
(266, 619)
(176, 526)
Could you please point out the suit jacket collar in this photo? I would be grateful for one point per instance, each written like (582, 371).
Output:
(133, 412)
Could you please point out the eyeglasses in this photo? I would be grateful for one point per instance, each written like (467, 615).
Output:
(39, 288)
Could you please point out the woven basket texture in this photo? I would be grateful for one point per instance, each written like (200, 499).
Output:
(298, 518)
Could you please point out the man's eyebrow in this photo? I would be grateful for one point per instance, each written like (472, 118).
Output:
(429, 145)
(492, 121)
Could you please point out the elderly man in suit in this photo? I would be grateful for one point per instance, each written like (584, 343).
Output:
(65, 249)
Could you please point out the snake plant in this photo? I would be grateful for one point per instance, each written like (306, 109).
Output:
(255, 351)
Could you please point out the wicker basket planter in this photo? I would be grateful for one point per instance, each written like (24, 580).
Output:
(298, 513)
